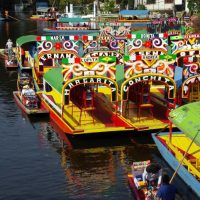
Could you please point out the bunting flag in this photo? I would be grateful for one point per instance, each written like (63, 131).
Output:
(147, 35)
(177, 37)
(132, 57)
(89, 37)
(71, 60)
(59, 38)
(167, 57)
(107, 59)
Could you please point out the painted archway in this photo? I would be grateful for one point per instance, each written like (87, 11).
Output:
(149, 77)
(186, 84)
(89, 80)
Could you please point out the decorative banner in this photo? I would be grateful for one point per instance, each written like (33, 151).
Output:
(147, 35)
(90, 80)
(149, 77)
(167, 57)
(58, 56)
(89, 37)
(105, 59)
(57, 37)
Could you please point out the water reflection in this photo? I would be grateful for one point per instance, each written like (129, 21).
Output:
(100, 171)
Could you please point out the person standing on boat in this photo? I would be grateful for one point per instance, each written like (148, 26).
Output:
(166, 191)
(9, 46)
(153, 174)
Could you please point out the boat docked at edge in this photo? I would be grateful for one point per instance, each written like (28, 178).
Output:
(139, 188)
(67, 25)
(28, 100)
(9, 60)
(77, 111)
(182, 149)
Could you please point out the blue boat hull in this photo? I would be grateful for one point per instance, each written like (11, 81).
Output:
(188, 178)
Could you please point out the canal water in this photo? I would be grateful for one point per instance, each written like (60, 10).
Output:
(36, 164)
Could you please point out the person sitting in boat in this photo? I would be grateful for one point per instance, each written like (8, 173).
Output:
(166, 191)
(153, 174)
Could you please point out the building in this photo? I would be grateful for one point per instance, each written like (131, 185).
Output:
(164, 5)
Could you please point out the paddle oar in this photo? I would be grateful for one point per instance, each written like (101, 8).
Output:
(180, 163)
(13, 17)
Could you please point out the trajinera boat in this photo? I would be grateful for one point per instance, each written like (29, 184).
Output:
(66, 25)
(113, 81)
(140, 188)
(28, 100)
(182, 149)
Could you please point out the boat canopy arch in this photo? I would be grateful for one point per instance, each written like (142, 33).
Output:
(89, 80)
(25, 39)
(186, 85)
(186, 118)
(149, 77)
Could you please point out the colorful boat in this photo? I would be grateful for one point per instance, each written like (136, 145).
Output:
(132, 76)
(29, 102)
(139, 188)
(182, 149)
(9, 59)
(71, 25)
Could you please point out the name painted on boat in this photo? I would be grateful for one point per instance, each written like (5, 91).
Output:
(57, 56)
(91, 80)
(137, 79)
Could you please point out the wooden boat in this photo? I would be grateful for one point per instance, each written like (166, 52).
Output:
(85, 109)
(143, 88)
(182, 149)
(24, 79)
(139, 187)
(29, 102)
(9, 60)
(67, 25)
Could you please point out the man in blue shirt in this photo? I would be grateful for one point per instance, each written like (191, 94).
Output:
(166, 191)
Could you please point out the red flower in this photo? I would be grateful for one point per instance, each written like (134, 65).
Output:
(148, 44)
(58, 45)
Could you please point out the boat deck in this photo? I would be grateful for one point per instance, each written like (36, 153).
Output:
(89, 120)
(182, 142)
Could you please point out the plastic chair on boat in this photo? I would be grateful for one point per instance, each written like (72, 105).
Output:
(144, 100)
(88, 103)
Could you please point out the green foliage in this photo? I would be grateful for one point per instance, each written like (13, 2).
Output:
(194, 6)
(123, 4)
(141, 7)
(109, 6)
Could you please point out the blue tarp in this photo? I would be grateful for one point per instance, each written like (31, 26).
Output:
(137, 13)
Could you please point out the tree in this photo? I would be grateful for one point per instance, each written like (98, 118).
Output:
(109, 6)
(194, 5)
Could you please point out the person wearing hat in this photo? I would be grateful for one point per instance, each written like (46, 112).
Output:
(166, 191)
(153, 174)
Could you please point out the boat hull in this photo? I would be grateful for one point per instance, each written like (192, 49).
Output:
(72, 31)
(28, 111)
(79, 129)
(188, 178)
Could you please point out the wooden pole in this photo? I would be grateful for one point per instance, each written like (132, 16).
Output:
(13, 17)
(180, 163)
